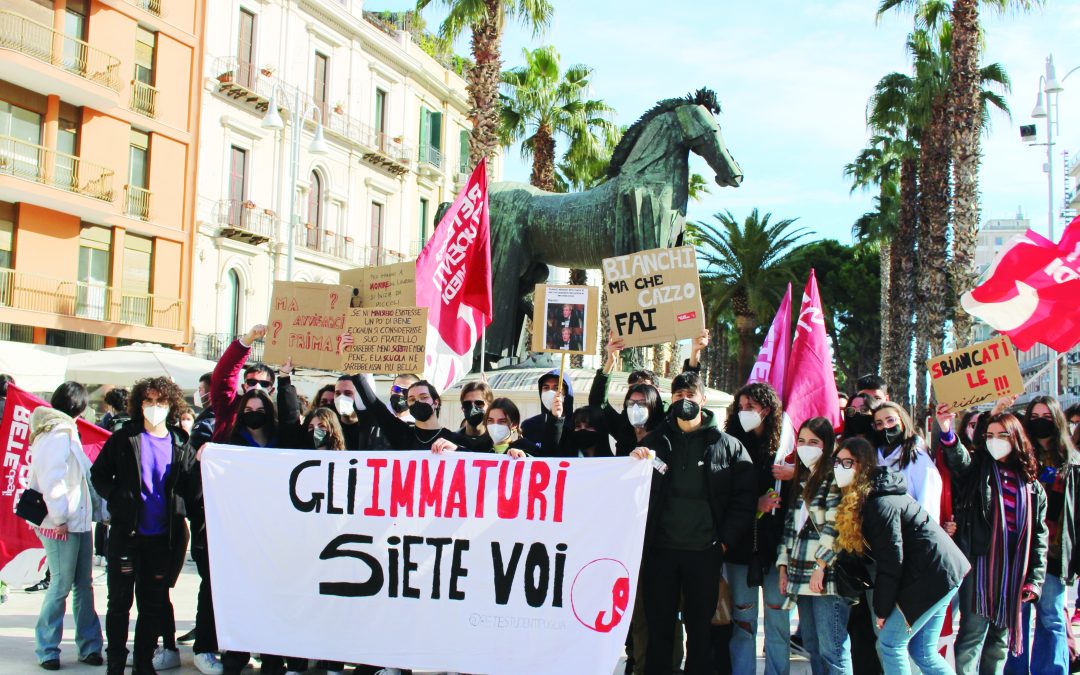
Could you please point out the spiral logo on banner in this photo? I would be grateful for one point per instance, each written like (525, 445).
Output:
(601, 594)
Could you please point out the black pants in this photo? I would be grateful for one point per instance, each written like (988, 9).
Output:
(176, 566)
(234, 662)
(205, 628)
(667, 574)
(864, 656)
(101, 539)
(138, 570)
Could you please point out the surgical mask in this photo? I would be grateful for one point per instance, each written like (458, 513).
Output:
(200, 400)
(1072, 428)
(398, 404)
(548, 398)
(344, 405)
(498, 432)
(474, 413)
(421, 411)
(685, 409)
(155, 415)
(317, 436)
(1041, 427)
(749, 419)
(843, 476)
(810, 455)
(637, 414)
(187, 425)
(254, 419)
(999, 448)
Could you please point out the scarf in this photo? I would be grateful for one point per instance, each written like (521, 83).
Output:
(1000, 572)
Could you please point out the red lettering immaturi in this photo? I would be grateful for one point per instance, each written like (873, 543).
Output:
(375, 509)
(481, 485)
(455, 496)
(431, 488)
(510, 503)
(539, 477)
(402, 489)
(560, 490)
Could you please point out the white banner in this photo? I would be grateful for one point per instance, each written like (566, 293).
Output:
(465, 562)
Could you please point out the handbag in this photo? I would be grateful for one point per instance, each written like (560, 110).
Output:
(851, 575)
(723, 615)
(755, 573)
(31, 507)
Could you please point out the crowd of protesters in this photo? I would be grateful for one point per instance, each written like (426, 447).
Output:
(873, 535)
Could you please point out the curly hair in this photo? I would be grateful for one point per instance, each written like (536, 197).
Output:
(166, 389)
(335, 437)
(849, 536)
(771, 426)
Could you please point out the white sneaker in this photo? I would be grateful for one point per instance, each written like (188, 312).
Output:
(166, 659)
(208, 664)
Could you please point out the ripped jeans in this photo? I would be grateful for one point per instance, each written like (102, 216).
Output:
(138, 571)
(745, 604)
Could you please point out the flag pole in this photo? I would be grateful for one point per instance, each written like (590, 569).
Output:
(562, 367)
(483, 351)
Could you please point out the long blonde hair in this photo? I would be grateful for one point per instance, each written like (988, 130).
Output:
(849, 535)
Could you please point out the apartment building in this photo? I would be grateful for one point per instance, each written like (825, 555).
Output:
(99, 119)
(383, 141)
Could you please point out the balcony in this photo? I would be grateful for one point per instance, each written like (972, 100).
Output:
(137, 202)
(245, 222)
(212, 345)
(143, 99)
(326, 242)
(247, 83)
(151, 6)
(44, 44)
(380, 149)
(41, 165)
(431, 156)
(34, 293)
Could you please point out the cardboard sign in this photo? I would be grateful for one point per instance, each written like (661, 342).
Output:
(306, 322)
(382, 286)
(654, 296)
(977, 374)
(385, 340)
(564, 319)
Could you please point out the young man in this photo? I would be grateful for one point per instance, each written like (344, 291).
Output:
(203, 429)
(702, 501)
(224, 392)
(424, 403)
(537, 428)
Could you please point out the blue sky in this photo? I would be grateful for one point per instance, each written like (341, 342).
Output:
(793, 77)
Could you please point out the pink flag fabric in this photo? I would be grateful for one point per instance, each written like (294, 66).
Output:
(772, 360)
(811, 385)
(1030, 291)
(453, 280)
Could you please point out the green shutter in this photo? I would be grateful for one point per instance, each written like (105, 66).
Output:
(463, 144)
(425, 130)
(436, 130)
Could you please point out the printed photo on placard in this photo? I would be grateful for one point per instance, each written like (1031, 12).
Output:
(565, 319)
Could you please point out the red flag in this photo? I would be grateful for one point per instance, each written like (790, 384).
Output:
(21, 555)
(772, 360)
(1030, 291)
(453, 280)
(811, 385)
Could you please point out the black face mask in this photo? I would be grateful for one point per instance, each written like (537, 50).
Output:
(474, 412)
(685, 409)
(587, 438)
(317, 437)
(889, 437)
(421, 411)
(1041, 427)
(254, 419)
(858, 424)
(398, 404)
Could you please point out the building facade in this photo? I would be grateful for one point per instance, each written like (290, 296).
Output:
(393, 126)
(99, 119)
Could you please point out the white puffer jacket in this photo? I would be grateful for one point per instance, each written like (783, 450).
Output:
(59, 470)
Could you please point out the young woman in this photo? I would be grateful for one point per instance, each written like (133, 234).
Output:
(322, 430)
(756, 419)
(1002, 530)
(588, 438)
(187, 420)
(503, 427)
(643, 410)
(805, 557)
(901, 449)
(918, 568)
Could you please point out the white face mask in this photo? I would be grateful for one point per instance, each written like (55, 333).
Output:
(810, 455)
(637, 414)
(843, 476)
(186, 425)
(344, 405)
(749, 419)
(999, 448)
(548, 398)
(1072, 428)
(498, 433)
(155, 415)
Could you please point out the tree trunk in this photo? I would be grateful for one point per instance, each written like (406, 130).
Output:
(543, 166)
(966, 123)
(577, 278)
(483, 84)
(884, 262)
(901, 306)
(744, 326)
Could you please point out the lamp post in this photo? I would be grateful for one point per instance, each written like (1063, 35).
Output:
(272, 120)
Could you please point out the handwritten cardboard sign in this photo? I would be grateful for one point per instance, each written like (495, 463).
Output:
(564, 319)
(306, 322)
(654, 296)
(382, 286)
(385, 340)
(977, 374)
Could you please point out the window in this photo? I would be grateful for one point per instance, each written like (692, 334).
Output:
(74, 56)
(145, 44)
(376, 233)
(138, 197)
(463, 151)
(314, 215)
(237, 185)
(67, 143)
(7, 236)
(322, 67)
(232, 303)
(380, 116)
(998, 241)
(135, 285)
(430, 137)
(423, 221)
(17, 157)
(245, 50)
(95, 244)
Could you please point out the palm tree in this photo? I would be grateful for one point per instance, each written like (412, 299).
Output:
(485, 19)
(746, 266)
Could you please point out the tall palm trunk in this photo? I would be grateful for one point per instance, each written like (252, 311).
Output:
(902, 274)
(884, 261)
(483, 84)
(744, 327)
(543, 166)
(966, 121)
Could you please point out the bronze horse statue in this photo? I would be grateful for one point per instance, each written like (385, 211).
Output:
(641, 205)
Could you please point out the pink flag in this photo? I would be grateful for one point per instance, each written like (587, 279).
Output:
(453, 280)
(811, 385)
(772, 360)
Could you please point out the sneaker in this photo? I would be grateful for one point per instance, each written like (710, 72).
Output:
(208, 664)
(93, 659)
(39, 586)
(51, 664)
(187, 637)
(166, 659)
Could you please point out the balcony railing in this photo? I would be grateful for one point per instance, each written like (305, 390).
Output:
(152, 6)
(137, 202)
(39, 164)
(326, 242)
(143, 99)
(429, 154)
(212, 345)
(246, 222)
(31, 292)
(382, 149)
(41, 42)
(247, 83)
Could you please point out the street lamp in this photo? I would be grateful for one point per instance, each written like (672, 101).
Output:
(272, 120)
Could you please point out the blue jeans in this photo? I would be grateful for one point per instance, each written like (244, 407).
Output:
(744, 601)
(897, 641)
(70, 565)
(1049, 652)
(823, 623)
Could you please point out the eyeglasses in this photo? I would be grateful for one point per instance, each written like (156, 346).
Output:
(394, 389)
(252, 382)
(847, 463)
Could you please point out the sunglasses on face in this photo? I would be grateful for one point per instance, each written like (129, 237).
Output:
(394, 389)
(846, 463)
(252, 382)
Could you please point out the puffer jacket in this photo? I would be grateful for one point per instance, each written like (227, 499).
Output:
(59, 470)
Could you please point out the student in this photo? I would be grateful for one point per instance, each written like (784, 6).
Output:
(1002, 530)
(225, 384)
(643, 410)
(535, 427)
(203, 429)
(324, 398)
(756, 420)
(116, 400)
(357, 422)
(187, 421)
(141, 473)
(59, 470)
(805, 558)
(901, 449)
(475, 398)
(918, 569)
(502, 425)
(701, 503)
(424, 403)
(588, 437)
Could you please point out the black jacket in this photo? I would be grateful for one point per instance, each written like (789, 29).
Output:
(537, 429)
(770, 526)
(917, 563)
(617, 423)
(728, 475)
(972, 496)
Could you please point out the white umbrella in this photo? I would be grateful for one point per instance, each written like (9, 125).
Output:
(36, 368)
(123, 366)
